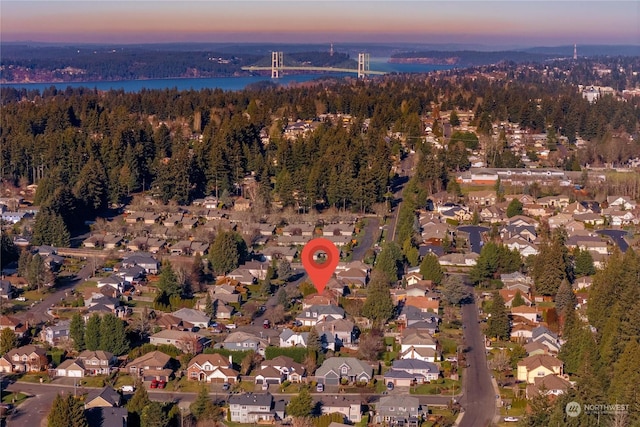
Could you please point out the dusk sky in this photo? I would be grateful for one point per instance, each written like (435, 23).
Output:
(497, 23)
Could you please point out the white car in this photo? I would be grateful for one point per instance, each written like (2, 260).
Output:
(128, 388)
(511, 419)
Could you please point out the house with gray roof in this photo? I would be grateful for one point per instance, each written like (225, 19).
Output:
(195, 317)
(55, 334)
(252, 408)
(348, 406)
(289, 338)
(104, 397)
(419, 371)
(242, 341)
(146, 261)
(345, 332)
(316, 313)
(399, 410)
(350, 369)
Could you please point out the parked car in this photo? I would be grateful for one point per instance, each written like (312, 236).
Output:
(511, 419)
(320, 388)
(162, 384)
(128, 388)
(266, 324)
(154, 384)
(389, 385)
(226, 386)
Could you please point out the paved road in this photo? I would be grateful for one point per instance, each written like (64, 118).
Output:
(479, 396)
(617, 236)
(38, 313)
(370, 231)
(475, 236)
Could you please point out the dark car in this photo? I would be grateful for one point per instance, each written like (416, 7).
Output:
(226, 386)
(389, 385)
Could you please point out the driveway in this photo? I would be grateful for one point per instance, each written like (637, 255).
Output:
(475, 236)
(617, 236)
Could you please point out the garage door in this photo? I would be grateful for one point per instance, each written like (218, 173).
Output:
(75, 374)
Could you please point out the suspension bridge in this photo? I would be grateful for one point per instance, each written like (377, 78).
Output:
(277, 67)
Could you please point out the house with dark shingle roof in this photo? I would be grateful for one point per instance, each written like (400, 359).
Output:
(350, 369)
(251, 408)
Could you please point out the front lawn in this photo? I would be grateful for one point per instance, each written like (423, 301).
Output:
(444, 387)
(15, 398)
(35, 378)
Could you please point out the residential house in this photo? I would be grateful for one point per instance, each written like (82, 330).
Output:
(107, 416)
(538, 366)
(534, 348)
(104, 397)
(521, 245)
(226, 293)
(345, 230)
(150, 264)
(468, 259)
(344, 331)
(28, 358)
(212, 368)
(410, 315)
(279, 253)
(532, 314)
(56, 334)
(509, 294)
(154, 365)
(517, 281)
(289, 338)
(547, 338)
(422, 303)
(242, 341)
(13, 323)
(316, 313)
(492, 214)
(6, 289)
(353, 276)
(72, 368)
(349, 407)
(195, 317)
(316, 299)
(305, 230)
(289, 369)
(406, 372)
(482, 198)
(334, 370)
(188, 342)
(250, 408)
(550, 385)
(113, 281)
(399, 410)
(268, 375)
(621, 202)
(97, 362)
(415, 342)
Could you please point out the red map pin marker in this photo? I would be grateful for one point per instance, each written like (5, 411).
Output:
(320, 273)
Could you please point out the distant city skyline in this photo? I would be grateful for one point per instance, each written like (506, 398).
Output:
(490, 23)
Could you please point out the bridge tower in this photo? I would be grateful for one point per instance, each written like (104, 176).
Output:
(276, 64)
(363, 65)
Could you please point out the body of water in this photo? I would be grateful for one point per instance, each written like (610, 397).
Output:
(224, 83)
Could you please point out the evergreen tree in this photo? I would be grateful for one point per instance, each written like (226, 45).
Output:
(66, 411)
(565, 298)
(76, 331)
(8, 340)
(301, 405)
(37, 272)
(8, 250)
(168, 281)
(197, 275)
(378, 307)
(92, 333)
(209, 307)
(455, 291)
(498, 323)
(137, 403)
(518, 301)
(49, 229)
(113, 337)
(314, 345)
(153, 415)
(203, 408)
(583, 263)
(430, 269)
(389, 261)
(227, 252)
(514, 208)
